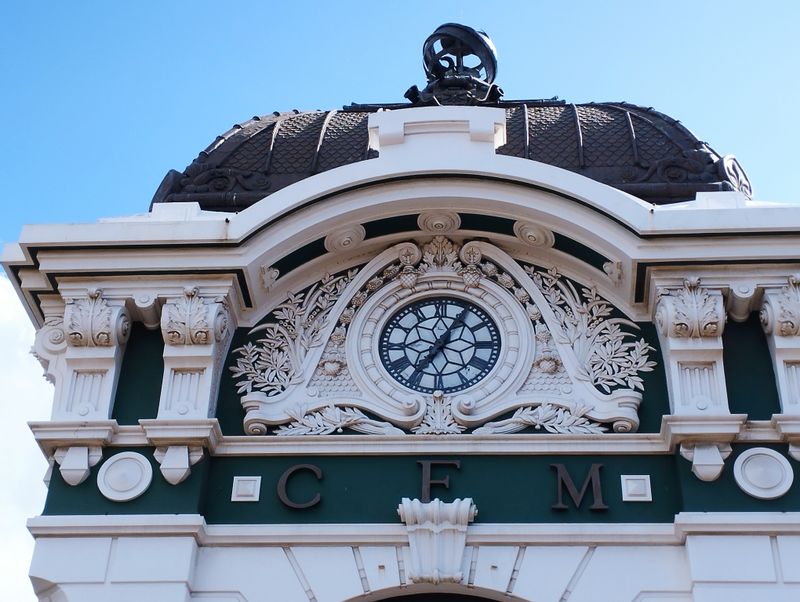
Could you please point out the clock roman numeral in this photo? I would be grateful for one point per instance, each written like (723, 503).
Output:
(400, 364)
(479, 363)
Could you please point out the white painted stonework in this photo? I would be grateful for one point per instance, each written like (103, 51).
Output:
(180, 558)
(569, 373)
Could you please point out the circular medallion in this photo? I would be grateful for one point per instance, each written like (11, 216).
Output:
(124, 476)
(763, 473)
(439, 344)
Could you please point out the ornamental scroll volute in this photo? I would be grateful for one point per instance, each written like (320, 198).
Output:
(196, 330)
(780, 317)
(92, 337)
(563, 360)
(690, 321)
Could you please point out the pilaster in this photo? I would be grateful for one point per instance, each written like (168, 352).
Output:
(690, 321)
(780, 318)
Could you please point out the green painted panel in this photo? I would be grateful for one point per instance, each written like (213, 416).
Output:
(229, 406)
(724, 495)
(160, 498)
(506, 489)
(579, 250)
(369, 488)
(139, 384)
(655, 401)
(749, 376)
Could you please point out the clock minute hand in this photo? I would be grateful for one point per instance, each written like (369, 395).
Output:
(443, 339)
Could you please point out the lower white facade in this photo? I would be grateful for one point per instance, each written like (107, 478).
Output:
(702, 557)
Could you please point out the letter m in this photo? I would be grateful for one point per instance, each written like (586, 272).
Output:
(564, 480)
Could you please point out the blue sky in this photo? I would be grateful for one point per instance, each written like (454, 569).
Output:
(102, 98)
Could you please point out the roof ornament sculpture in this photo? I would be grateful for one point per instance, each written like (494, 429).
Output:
(461, 65)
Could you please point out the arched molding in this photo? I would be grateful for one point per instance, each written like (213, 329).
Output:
(449, 592)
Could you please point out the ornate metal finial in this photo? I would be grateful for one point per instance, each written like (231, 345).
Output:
(460, 64)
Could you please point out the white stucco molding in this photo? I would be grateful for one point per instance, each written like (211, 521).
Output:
(206, 434)
(685, 523)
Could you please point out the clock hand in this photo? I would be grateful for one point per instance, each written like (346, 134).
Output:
(443, 339)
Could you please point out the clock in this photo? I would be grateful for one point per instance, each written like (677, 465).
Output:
(439, 344)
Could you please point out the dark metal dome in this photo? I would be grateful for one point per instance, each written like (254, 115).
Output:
(635, 149)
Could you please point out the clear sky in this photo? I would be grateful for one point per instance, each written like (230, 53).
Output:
(101, 99)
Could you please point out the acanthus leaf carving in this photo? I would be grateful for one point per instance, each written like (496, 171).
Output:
(89, 321)
(546, 416)
(332, 419)
(439, 254)
(690, 311)
(607, 359)
(438, 418)
(185, 321)
(589, 361)
(787, 317)
(276, 361)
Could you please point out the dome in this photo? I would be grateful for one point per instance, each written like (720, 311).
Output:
(634, 149)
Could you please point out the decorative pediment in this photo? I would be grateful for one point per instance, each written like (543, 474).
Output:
(443, 337)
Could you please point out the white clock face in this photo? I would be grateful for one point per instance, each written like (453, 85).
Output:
(444, 343)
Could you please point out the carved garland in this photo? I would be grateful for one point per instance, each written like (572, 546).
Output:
(607, 358)
(275, 361)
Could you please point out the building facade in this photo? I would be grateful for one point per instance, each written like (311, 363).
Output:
(459, 348)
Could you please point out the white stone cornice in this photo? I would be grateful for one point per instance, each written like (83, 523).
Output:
(194, 433)
(160, 433)
(685, 524)
(54, 434)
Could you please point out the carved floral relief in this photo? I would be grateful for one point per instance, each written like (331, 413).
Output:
(579, 369)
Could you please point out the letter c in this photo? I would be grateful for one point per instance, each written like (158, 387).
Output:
(284, 497)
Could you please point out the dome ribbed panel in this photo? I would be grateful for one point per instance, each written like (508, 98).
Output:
(553, 136)
(606, 137)
(515, 133)
(653, 145)
(346, 140)
(296, 143)
(252, 154)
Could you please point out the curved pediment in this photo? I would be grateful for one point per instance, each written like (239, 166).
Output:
(442, 336)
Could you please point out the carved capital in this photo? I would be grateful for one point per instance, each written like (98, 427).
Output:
(437, 535)
(194, 320)
(780, 313)
(692, 311)
(91, 322)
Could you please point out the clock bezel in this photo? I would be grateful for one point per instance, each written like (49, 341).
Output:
(476, 309)
(507, 375)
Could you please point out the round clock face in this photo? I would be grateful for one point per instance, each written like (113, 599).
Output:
(443, 344)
